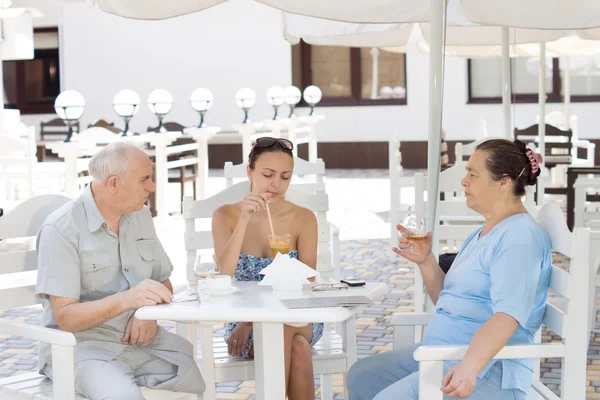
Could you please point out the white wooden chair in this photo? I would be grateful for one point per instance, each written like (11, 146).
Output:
(586, 213)
(334, 353)
(302, 169)
(569, 323)
(465, 150)
(20, 170)
(23, 222)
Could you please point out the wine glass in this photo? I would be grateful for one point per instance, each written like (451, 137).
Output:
(415, 229)
(206, 270)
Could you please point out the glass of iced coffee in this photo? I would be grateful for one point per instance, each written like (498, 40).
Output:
(280, 243)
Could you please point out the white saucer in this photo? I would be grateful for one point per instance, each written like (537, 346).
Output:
(231, 290)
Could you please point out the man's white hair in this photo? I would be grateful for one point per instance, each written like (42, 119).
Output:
(113, 160)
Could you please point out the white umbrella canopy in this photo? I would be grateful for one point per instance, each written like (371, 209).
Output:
(534, 14)
(324, 32)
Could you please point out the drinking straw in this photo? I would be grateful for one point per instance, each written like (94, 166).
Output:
(270, 221)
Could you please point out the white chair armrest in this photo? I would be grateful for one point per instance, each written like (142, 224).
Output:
(335, 230)
(35, 332)
(583, 144)
(443, 353)
(411, 319)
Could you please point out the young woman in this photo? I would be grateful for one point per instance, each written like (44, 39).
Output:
(494, 294)
(241, 237)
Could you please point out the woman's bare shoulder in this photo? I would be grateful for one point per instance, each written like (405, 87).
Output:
(303, 215)
(227, 211)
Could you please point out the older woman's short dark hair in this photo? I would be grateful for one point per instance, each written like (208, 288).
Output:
(509, 158)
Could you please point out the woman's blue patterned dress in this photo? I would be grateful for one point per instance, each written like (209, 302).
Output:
(248, 269)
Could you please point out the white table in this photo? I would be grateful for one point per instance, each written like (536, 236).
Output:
(261, 305)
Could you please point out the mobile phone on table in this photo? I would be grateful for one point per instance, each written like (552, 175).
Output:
(353, 282)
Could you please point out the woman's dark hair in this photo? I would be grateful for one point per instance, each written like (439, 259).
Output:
(269, 145)
(507, 158)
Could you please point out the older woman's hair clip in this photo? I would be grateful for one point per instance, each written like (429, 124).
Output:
(535, 159)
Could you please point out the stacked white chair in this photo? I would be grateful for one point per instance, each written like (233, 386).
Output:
(570, 324)
(334, 353)
(24, 222)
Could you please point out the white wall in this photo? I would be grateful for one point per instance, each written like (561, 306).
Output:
(239, 43)
(223, 48)
(48, 7)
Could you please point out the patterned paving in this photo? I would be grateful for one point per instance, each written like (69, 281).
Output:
(370, 259)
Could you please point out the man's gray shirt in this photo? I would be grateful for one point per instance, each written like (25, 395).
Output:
(80, 258)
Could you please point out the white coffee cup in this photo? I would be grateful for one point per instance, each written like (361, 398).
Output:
(218, 283)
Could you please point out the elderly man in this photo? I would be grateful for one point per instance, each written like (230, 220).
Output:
(99, 260)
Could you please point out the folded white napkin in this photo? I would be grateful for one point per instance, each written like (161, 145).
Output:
(286, 273)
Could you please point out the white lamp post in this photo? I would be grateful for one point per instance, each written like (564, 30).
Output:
(312, 96)
(293, 95)
(201, 101)
(69, 105)
(275, 98)
(126, 104)
(245, 99)
(160, 102)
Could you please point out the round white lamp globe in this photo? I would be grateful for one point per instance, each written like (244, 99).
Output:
(312, 96)
(160, 101)
(245, 99)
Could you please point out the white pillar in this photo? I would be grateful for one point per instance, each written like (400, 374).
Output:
(567, 91)
(312, 121)
(160, 141)
(201, 136)
(375, 71)
(291, 125)
(542, 123)
(435, 112)
(506, 84)
(246, 131)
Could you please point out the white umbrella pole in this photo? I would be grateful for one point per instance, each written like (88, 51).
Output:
(375, 72)
(542, 123)
(435, 113)
(506, 84)
(567, 91)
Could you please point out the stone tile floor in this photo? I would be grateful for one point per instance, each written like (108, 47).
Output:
(360, 201)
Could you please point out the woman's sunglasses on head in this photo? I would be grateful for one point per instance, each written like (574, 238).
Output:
(265, 142)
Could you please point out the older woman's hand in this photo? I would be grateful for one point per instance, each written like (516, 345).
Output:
(459, 381)
(421, 249)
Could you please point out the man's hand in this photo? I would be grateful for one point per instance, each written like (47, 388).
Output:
(459, 382)
(147, 293)
(139, 331)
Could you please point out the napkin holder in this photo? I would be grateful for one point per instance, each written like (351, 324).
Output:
(287, 274)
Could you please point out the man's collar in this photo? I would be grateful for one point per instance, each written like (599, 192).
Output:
(94, 218)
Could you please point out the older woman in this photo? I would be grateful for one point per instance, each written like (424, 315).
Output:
(494, 294)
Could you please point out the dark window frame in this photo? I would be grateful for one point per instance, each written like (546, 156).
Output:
(355, 99)
(552, 97)
(24, 106)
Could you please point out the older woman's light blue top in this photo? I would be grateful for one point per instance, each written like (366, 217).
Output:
(506, 271)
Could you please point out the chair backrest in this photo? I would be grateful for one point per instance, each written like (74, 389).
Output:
(571, 322)
(56, 129)
(94, 136)
(302, 168)
(17, 159)
(198, 232)
(169, 127)
(24, 221)
(558, 141)
(463, 151)
(106, 125)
